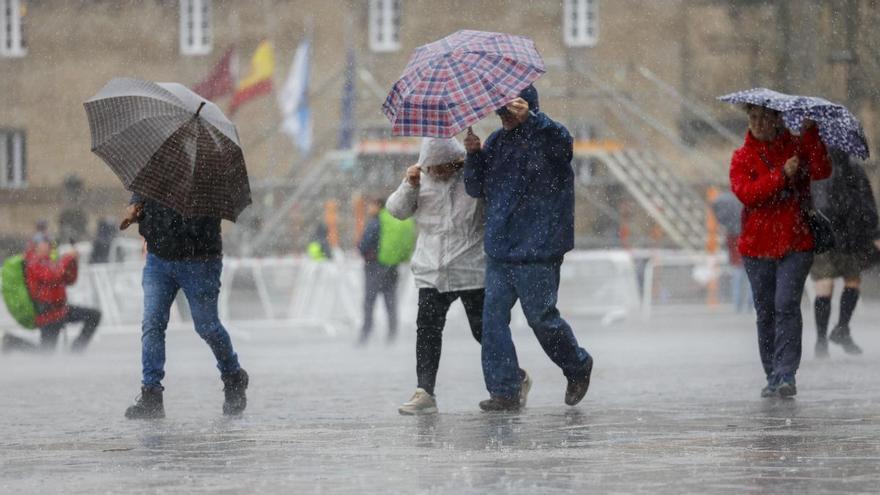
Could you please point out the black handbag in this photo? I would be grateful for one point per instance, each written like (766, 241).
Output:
(820, 224)
(823, 230)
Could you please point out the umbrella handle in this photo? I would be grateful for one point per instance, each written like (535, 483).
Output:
(200, 108)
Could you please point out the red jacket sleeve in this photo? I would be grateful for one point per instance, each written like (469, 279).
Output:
(751, 185)
(45, 272)
(70, 266)
(813, 149)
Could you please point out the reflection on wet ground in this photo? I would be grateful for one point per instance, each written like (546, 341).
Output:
(673, 409)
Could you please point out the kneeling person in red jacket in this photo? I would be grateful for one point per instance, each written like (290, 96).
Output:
(47, 282)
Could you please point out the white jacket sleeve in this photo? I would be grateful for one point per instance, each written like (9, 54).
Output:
(403, 202)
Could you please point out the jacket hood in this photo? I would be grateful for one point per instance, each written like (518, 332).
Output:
(436, 151)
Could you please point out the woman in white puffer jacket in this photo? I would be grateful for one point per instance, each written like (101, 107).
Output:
(448, 263)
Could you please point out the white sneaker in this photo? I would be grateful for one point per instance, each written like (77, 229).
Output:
(421, 403)
(524, 389)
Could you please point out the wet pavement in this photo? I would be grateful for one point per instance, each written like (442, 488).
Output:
(674, 408)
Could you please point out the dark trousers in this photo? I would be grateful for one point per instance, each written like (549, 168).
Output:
(380, 279)
(777, 287)
(90, 318)
(433, 306)
(535, 285)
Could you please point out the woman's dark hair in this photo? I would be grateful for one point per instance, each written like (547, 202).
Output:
(747, 107)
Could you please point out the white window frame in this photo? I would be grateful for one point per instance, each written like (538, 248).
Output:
(13, 159)
(384, 25)
(12, 41)
(580, 22)
(196, 27)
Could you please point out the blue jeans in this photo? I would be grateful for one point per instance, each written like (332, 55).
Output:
(200, 281)
(536, 286)
(777, 287)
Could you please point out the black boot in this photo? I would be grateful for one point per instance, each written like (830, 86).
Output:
(234, 386)
(149, 405)
(840, 335)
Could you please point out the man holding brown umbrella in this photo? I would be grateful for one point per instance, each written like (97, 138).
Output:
(182, 159)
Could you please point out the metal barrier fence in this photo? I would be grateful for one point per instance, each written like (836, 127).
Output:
(296, 291)
(681, 282)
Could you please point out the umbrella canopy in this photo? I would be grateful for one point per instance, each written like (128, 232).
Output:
(838, 127)
(171, 145)
(455, 82)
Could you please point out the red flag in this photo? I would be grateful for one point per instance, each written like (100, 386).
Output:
(221, 81)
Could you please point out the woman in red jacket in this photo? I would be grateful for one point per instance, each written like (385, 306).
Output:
(771, 174)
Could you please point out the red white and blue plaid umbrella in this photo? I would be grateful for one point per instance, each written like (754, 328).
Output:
(838, 127)
(455, 82)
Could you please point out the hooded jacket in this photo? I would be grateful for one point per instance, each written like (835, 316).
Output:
(846, 198)
(774, 222)
(46, 282)
(526, 178)
(451, 224)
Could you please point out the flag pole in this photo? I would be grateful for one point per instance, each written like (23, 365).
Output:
(271, 103)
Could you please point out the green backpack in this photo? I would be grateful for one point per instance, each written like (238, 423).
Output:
(397, 239)
(15, 292)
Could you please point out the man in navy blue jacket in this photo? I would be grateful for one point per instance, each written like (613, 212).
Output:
(524, 173)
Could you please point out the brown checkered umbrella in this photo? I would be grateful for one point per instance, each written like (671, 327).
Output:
(171, 145)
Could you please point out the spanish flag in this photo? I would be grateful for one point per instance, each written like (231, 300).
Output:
(259, 79)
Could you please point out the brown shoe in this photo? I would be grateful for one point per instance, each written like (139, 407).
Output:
(234, 388)
(497, 404)
(577, 389)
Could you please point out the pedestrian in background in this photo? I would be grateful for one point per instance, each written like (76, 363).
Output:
(728, 211)
(771, 175)
(105, 232)
(386, 243)
(525, 176)
(448, 263)
(846, 199)
(318, 248)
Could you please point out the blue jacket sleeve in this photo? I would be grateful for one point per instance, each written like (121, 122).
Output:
(474, 173)
(369, 244)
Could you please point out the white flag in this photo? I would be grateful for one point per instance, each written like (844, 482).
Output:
(294, 100)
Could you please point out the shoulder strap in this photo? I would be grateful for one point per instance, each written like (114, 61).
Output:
(765, 160)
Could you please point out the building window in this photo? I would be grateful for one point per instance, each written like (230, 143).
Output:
(196, 27)
(580, 20)
(12, 41)
(13, 160)
(384, 25)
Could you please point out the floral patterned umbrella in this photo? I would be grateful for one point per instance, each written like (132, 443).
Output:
(838, 127)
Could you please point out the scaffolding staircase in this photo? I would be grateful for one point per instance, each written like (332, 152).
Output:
(676, 207)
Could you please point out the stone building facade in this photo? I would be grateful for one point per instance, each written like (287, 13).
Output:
(618, 70)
